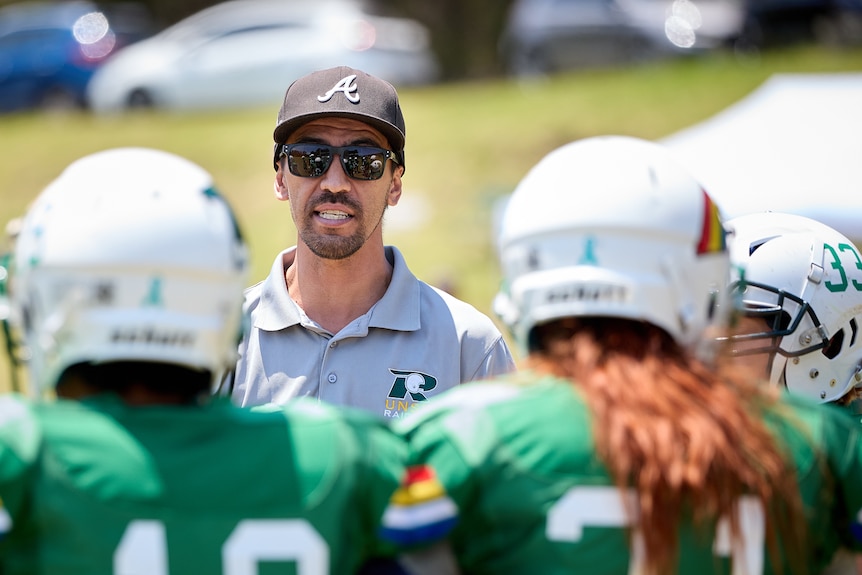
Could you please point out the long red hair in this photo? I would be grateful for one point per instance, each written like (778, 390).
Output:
(689, 438)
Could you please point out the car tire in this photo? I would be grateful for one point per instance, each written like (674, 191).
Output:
(140, 98)
(60, 99)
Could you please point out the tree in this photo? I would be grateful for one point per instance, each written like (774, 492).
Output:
(464, 33)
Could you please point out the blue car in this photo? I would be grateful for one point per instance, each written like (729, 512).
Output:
(49, 50)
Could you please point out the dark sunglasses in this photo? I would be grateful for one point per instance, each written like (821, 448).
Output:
(359, 162)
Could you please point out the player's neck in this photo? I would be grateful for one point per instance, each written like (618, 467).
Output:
(135, 394)
(142, 396)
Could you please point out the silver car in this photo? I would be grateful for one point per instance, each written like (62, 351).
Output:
(547, 36)
(247, 52)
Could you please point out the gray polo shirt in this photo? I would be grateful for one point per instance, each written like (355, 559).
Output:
(413, 344)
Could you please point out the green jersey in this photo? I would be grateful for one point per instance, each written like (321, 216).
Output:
(97, 487)
(516, 466)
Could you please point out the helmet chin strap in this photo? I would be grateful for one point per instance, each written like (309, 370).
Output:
(770, 366)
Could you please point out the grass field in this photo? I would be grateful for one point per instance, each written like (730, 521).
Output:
(468, 144)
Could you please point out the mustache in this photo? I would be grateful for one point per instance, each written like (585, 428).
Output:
(327, 197)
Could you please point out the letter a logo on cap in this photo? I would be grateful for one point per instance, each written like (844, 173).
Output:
(351, 91)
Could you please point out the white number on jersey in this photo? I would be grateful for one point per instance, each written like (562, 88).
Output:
(143, 549)
(603, 506)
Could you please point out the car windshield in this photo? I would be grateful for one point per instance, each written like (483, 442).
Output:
(248, 15)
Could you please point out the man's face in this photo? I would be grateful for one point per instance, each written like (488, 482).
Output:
(335, 215)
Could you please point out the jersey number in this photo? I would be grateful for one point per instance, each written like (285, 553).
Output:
(603, 506)
(144, 548)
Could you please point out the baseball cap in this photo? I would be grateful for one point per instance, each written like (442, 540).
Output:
(342, 92)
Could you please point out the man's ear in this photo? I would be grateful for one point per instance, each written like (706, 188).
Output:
(395, 188)
(280, 186)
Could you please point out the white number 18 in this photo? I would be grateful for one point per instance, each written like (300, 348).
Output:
(143, 549)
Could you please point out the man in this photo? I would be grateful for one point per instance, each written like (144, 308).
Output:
(127, 290)
(798, 287)
(625, 445)
(340, 317)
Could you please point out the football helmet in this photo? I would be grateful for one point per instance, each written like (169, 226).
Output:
(613, 226)
(803, 280)
(129, 255)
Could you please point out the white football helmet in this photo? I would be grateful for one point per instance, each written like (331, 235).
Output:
(612, 226)
(804, 279)
(130, 254)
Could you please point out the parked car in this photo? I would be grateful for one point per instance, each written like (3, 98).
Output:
(49, 50)
(546, 36)
(246, 52)
(772, 23)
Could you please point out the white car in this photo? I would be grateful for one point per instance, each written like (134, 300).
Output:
(247, 52)
(549, 36)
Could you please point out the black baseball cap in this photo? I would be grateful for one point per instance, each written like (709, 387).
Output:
(342, 92)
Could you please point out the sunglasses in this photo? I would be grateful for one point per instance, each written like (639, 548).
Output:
(359, 162)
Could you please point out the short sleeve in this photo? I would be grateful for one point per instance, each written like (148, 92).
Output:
(450, 442)
(19, 447)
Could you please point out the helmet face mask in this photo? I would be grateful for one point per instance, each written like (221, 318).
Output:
(129, 255)
(777, 323)
(803, 275)
(612, 227)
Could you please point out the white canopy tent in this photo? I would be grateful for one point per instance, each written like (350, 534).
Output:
(794, 145)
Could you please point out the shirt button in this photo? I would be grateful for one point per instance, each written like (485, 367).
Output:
(333, 344)
(332, 378)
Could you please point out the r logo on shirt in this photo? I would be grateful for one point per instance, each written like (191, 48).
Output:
(412, 382)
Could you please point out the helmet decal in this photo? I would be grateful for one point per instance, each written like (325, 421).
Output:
(712, 235)
(154, 294)
(589, 257)
(212, 192)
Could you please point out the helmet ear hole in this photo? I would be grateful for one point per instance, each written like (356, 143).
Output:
(784, 320)
(833, 348)
(712, 305)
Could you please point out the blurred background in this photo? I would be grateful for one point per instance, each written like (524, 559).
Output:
(203, 53)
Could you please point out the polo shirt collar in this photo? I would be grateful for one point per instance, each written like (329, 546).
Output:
(277, 309)
(398, 309)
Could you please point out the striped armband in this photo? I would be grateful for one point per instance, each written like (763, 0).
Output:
(420, 511)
